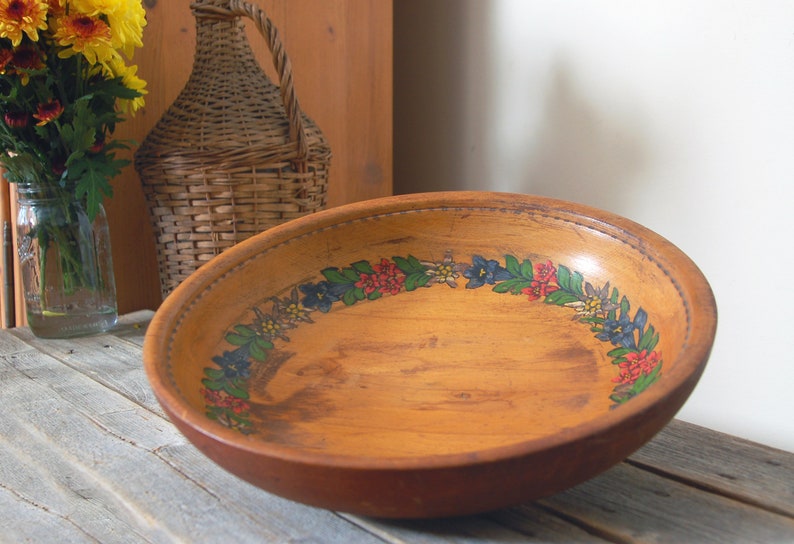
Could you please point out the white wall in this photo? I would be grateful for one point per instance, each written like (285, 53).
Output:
(677, 114)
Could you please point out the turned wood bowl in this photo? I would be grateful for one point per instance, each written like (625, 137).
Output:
(434, 354)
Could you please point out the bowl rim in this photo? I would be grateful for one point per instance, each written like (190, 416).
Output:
(681, 377)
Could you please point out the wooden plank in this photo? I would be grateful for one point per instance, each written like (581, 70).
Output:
(77, 452)
(114, 359)
(628, 504)
(723, 464)
(534, 524)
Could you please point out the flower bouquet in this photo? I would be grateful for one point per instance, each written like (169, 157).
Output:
(64, 85)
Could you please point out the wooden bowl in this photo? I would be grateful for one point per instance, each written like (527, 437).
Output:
(433, 354)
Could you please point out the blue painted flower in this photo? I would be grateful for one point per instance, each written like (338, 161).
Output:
(235, 364)
(621, 331)
(483, 271)
(319, 295)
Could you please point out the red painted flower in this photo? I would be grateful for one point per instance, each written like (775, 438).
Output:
(544, 282)
(386, 279)
(539, 289)
(222, 399)
(637, 364)
(546, 272)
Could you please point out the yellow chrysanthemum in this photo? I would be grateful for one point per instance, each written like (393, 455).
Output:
(126, 18)
(18, 17)
(128, 75)
(127, 24)
(84, 34)
(57, 7)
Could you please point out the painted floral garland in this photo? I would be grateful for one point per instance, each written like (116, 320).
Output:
(608, 314)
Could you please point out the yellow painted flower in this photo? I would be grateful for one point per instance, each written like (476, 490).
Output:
(18, 17)
(84, 34)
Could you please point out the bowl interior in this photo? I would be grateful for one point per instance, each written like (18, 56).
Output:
(430, 327)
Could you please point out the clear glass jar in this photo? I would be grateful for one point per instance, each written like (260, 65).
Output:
(65, 263)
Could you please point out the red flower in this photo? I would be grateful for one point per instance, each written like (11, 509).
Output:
(544, 282)
(48, 112)
(539, 289)
(222, 399)
(637, 364)
(5, 58)
(387, 279)
(16, 119)
(546, 273)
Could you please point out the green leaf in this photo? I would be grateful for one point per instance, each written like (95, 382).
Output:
(244, 330)
(649, 339)
(234, 391)
(513, 286)
(512, 266)
(415, 280)
(526, 270)
(625, 306)
(410, 266)
(334, 275)
(213, 373)
(213, 385)
(363, 267)
(256, 351)
(237, 339)
(352, 296)
(619, 352)
(374, 295)
(576, 283)
(560, 298)
(563, 278)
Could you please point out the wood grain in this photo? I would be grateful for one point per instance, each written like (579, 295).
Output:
(85, 457)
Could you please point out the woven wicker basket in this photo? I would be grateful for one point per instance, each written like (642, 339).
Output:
(234, 154)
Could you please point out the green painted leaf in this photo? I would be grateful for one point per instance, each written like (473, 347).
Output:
(244, 330)
(257, 352)
(526, 270)
(262, 343)
(352, 296)
(649, 339)
(512, 266)
(415, 280)
(576, 283)
(625, 306)
(237, 340)
(363, 267)
(619, 352)
(235, 391)
(334, 275)
(213, 385)
(560, 298)
(213, 373)
(563, 278)
(374, 295)
(409, 266)
(510, 286)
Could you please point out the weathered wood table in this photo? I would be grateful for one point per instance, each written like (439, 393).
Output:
(86, 455)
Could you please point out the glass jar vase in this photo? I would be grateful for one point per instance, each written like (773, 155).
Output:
(65, 263)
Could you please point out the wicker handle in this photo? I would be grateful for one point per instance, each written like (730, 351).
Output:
(267, 29)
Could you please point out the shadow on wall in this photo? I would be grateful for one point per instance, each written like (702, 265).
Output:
(447, 125)
(581, 153)
(438, 47)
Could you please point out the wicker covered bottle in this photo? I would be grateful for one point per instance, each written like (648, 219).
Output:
(234, 154)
